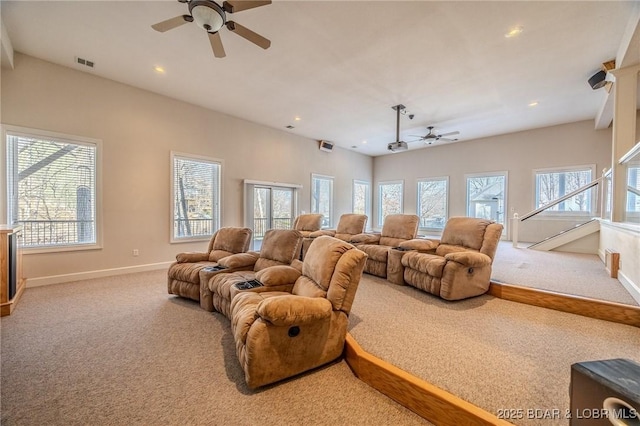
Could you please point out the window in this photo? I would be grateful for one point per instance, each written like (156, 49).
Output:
(552, 184)
(362, 197)
(196, 197)
(322, 198)
(390, 196)
(52, 189)
(631, 163)
(432, 202)
(486, 196)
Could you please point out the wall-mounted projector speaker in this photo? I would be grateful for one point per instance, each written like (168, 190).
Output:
(326, 146)
(605, 393)
(598, 80)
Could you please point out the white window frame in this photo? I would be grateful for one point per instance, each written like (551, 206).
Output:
(444, 179)
(216, 203)
(326, 222)
(380, 186)
(504, 221)
(10, 130)
(567, 169)
(367, 201)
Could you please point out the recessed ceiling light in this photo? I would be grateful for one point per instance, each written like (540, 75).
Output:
(513, 32)
(364, 142)
(159, 69)
(532, 104)
(297, 118)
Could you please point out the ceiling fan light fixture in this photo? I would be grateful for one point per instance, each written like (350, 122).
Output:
(207, 15)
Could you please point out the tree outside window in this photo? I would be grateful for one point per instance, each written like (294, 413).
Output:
(52, 189)
(432, 202)
(390, 196)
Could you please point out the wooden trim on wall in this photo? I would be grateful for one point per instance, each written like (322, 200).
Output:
(593, 308)
(426, 400)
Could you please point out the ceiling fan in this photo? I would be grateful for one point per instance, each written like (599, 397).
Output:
(431, 137)
(211, 17)
(398, 145)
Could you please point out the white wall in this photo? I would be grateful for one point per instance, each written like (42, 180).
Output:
(517, 153)
(138, 130)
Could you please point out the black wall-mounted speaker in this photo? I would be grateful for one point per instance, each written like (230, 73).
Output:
(598, 80)
(605, 393)
(326, 146)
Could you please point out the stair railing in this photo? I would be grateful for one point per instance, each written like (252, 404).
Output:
(515, 221)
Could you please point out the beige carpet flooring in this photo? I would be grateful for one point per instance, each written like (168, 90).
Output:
(493, 353)
(571, 273)
(121, 351)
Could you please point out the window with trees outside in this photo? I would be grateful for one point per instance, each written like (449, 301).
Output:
(196, 196)
(362, 197)
(486, 196)
(390, 199)
(322, 198)
(552, 184)
(432, 202)
(52, 189)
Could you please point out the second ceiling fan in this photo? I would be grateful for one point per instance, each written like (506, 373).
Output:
(212, 17)
(431, 137)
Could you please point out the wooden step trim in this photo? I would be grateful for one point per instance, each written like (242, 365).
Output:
(426, 400)
(585, 306)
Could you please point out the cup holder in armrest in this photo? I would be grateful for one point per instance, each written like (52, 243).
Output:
(248, 285)
(214, 268)
(401, 249)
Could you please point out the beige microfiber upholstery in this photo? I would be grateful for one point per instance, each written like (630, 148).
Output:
(308, 223)
(350, 224)
(396, 229)
(281, 334)
(183, 275)
(279, 247)
(457, 266)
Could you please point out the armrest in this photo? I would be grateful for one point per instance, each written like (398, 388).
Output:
(320, 233)
(192, 257)
(366, 238)
(294, 310)
(278, 275)
(420, 244)
(239, 260)
(471, 259)
(297, 263)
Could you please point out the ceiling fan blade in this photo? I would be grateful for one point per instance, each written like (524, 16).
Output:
(245, 32)
(172, 23)
(216, 45)
(447, 139)
(449, 134)
(238, 6)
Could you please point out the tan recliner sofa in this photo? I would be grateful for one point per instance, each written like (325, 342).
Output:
(281, 334)
(279, 247)
(458, 265)
(396, 229)
(307, 224)
(350, 224)
(183, 275)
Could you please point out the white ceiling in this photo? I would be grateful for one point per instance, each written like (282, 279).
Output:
(341, 66)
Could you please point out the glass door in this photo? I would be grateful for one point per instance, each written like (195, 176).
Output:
(268, 207)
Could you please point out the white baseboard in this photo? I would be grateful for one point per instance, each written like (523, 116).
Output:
(632, 288)
(58, 279)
